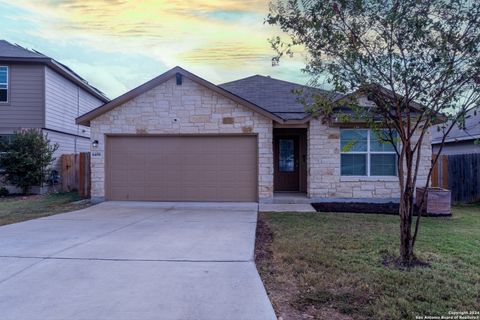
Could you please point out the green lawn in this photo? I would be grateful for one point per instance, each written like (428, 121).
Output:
(16, 209)
(337, 265)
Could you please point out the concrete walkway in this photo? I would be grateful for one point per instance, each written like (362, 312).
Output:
(134, 260)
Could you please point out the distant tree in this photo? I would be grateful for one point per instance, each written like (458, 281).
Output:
(418, 61)
(26, 159)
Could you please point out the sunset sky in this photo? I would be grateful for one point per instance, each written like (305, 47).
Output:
(118, 44)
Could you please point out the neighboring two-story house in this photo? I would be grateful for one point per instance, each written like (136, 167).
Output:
(38, 92)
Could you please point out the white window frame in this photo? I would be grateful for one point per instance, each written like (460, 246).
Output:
(368, 153)
(6, 83)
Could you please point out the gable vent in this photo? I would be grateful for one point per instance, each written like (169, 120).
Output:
(179, 79)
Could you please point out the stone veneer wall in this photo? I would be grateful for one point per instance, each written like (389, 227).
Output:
(325, 181)
(182, 109)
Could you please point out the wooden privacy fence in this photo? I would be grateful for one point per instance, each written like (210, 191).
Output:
(459, 173)
(75, 173)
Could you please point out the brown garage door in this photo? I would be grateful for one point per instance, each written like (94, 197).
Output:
(181, 168)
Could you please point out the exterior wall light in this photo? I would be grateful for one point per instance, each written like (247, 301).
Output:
(95, 143)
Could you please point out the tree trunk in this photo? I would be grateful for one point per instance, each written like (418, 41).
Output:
(406, 243)
(406, 211)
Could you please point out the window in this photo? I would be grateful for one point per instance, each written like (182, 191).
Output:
(286, 155)
(4, 139)
(3, 84)
(365, 153)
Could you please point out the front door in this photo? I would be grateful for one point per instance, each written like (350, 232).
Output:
(286, 163)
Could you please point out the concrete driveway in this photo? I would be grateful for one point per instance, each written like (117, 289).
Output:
(134, 260)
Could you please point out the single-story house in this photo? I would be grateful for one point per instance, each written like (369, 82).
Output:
(179, 137)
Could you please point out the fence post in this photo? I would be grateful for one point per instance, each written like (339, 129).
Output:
(434, 177)
(75, 173)
(444, 172)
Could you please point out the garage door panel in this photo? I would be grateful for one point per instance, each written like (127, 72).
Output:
(130, 192)
(200, 159)
(181, 168)
(200, 194)
(121, 159)
(172, 158)
(153, 161)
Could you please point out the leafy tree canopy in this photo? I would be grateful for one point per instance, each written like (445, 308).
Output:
(417, 61)
(26, 159)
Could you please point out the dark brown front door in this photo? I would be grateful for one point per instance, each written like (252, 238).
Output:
(286, 163)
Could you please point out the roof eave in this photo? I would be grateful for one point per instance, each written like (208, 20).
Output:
(298, 121)
(459, 139)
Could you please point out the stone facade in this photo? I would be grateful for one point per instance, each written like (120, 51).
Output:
(324, 178)
(189, 108)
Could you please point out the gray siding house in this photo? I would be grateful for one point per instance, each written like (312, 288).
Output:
(38, 92)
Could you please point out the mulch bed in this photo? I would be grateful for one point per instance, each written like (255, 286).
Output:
(364, 207)
(357, 207)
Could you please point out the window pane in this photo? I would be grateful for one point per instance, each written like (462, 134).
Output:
(3, 95)
(378, 143)
(286, 155)
(3, 74)
(354, 164)
(383, 165)
(353, 140)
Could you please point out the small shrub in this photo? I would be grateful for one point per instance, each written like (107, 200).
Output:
(26, 159)
(4, 192)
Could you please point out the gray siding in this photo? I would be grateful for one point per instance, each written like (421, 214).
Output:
(67, 144)
(65, 101)
(461, 147)
(26, 98)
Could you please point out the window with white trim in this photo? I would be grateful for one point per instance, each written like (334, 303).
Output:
(3, 84)
(365, 153)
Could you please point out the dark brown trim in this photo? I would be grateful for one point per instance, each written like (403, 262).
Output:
(87, 117)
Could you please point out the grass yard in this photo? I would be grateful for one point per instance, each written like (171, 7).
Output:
(16, 209)
(338, 265)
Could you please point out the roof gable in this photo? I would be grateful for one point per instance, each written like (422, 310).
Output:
(86, 118)
(14, 53)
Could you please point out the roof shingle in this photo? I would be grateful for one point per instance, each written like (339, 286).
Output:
(8, 50)
(276, 96)
(471, 130)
